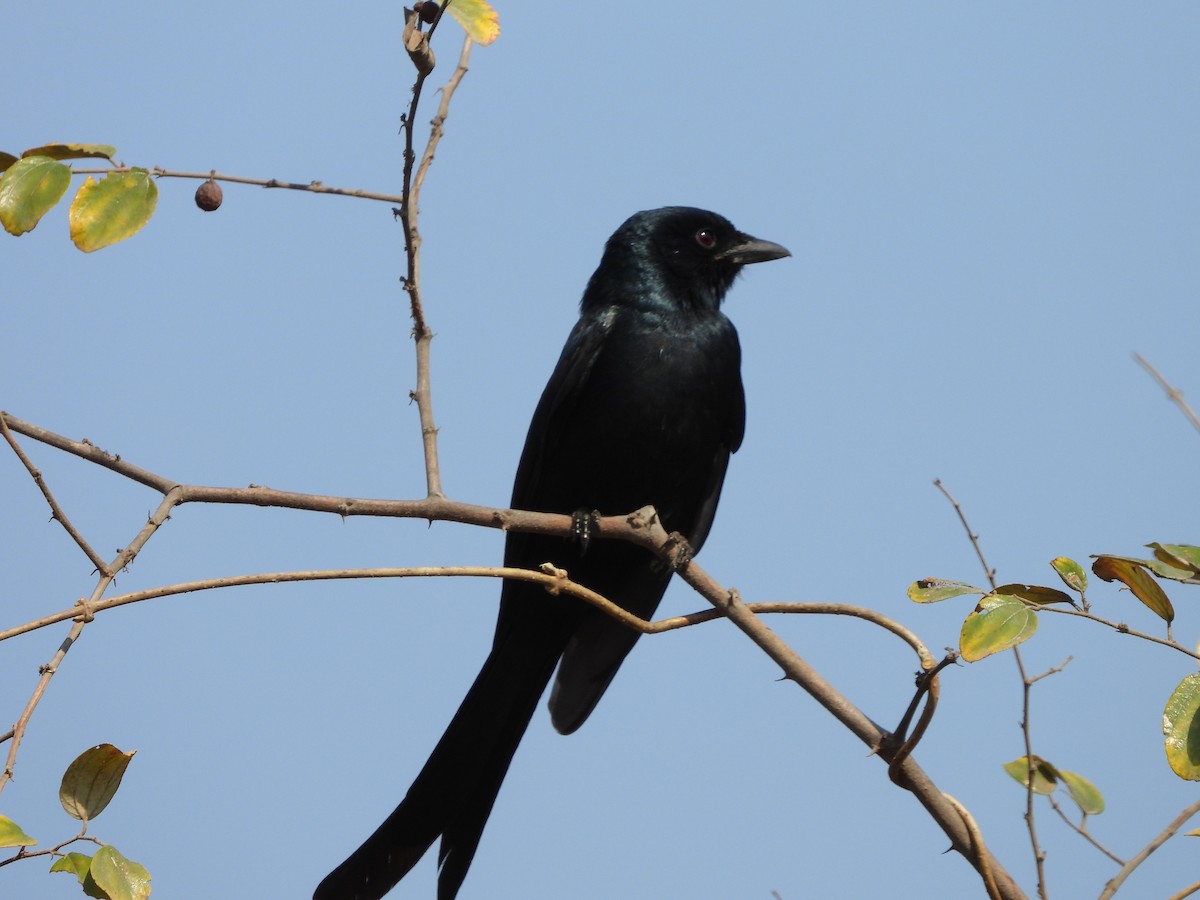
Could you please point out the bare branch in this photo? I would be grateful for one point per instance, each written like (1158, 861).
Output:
(1140, 857)
(1120, 628)
(1173, 394)
(1039, 855)
(1186, 892)
(312, 187)
(409, 214)
(988, 570)
(48, 670)
(642, 528)
(989, 880)
(55, 510)
(1081, 830)
(914, 779)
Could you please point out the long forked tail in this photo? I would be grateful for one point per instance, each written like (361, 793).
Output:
(454, 793)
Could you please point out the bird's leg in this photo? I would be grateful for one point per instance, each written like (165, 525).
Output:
(583, 523)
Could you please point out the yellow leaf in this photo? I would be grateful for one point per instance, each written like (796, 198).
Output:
(119, 877)
(29, 188)
(1045, 776)
(111, 210)
(931, 590)
(1070, 572)
(11, 834)
(1085, 794)
(999, 622)
(477, 18)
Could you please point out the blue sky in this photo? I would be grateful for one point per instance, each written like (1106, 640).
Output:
(990, 207)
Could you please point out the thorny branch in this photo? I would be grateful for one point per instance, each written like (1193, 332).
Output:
(409, 214)
(642, 528)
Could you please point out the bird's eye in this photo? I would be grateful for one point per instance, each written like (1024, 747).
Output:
(706, 238)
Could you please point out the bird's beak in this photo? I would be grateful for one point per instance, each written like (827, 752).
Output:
(746, 250)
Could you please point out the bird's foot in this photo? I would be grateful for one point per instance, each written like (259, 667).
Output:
(584, 523)
(681, 551)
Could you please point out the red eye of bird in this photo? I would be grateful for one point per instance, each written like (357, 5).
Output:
(706, 239)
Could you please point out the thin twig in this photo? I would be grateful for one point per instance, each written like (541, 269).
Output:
(26, 853)
(123, 558)
(409, 215)
(1039, 855)
(1173, 394)
(312, 187)
(1081, 830)
(988, 570)
(56, 511)
(1165, 835)
(1120, 628)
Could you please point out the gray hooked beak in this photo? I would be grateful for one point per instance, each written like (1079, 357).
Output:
(749, 249)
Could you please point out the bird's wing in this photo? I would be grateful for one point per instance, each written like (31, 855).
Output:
(624, 574)
(570, 374)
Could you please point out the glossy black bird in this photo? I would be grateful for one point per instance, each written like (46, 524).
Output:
(644, 407)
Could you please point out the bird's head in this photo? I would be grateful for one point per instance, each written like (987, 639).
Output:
(678, 256)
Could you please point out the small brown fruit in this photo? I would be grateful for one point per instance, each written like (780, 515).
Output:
(208, 196)
(428, 11)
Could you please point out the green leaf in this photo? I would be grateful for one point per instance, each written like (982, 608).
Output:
(998, 623)
(29, 188)
(931, 590)
(1034, 593)
(77, 864)
(1045, 776)
(1182, 556)
(113, 209)
(1181, 729)
(1138, 580)
(120, 878)
(1089, 800)
(477, 18)
(11, 834)
(73, 151)
(92, 779)
(1071, 573)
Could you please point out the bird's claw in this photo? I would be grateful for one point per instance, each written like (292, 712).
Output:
(683, 552)
(583, 523)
